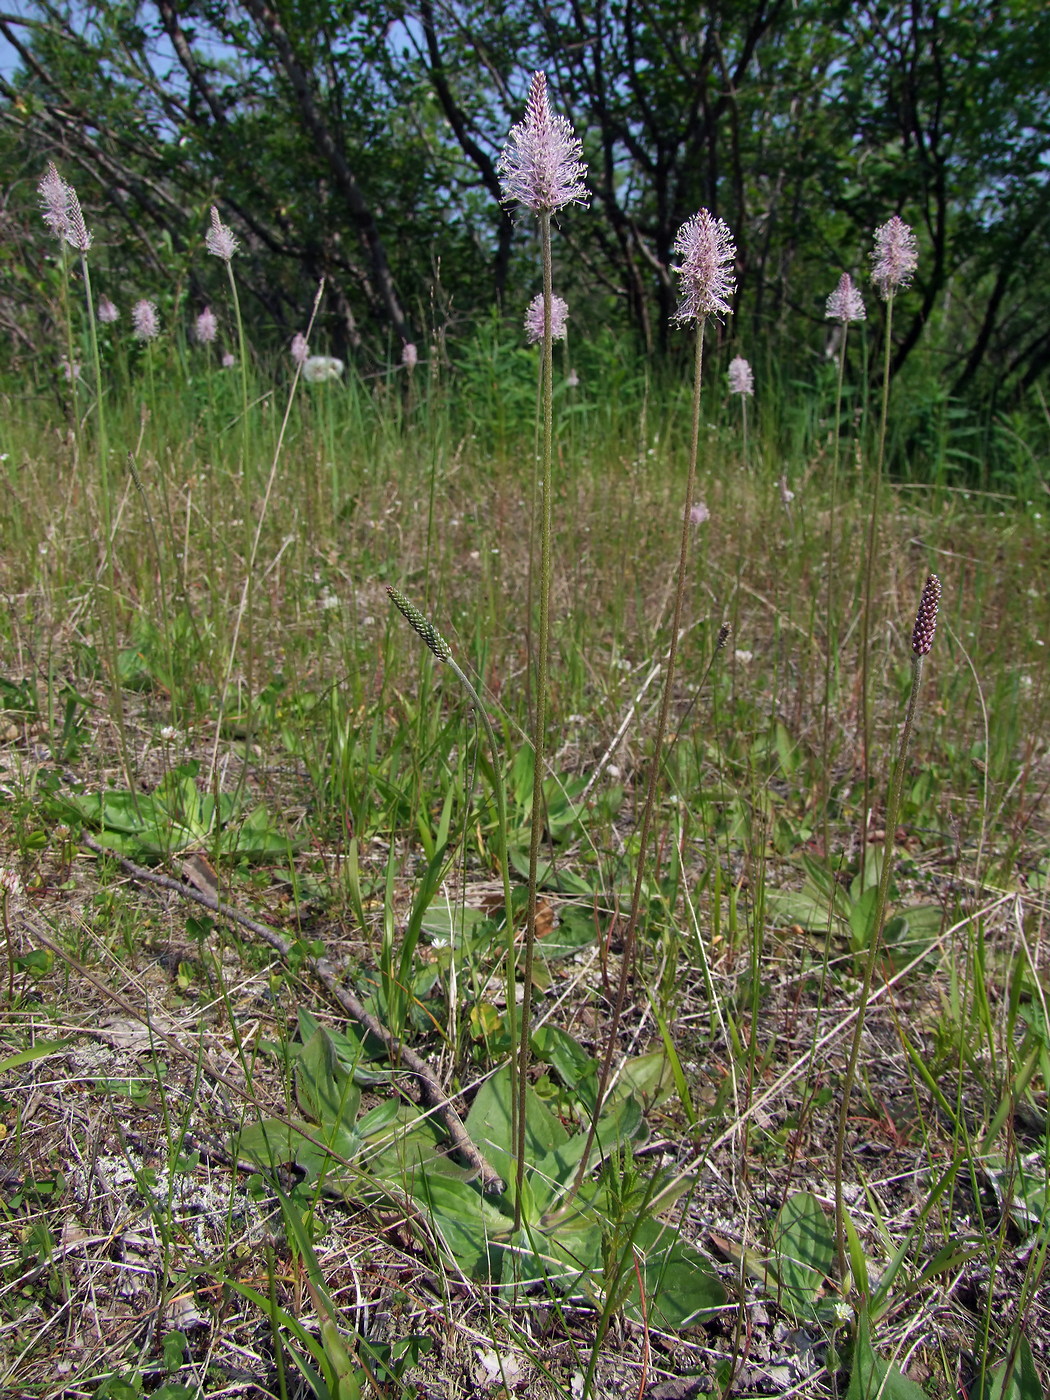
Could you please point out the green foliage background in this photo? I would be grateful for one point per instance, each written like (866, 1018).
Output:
(359, 143)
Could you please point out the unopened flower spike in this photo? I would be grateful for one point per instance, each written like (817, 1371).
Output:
(926, 618)
(540, 166)
(426, 629)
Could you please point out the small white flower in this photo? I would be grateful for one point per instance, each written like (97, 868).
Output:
(744, 656)
(9, 881)
(317, 369)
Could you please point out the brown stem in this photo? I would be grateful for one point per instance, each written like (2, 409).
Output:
(431, 1093)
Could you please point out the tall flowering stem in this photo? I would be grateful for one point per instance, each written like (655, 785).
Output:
(541, 169)
(742, 383)
(443, 653)
(707, 252)
(221, 243)
(894, 260)
(63, 215)
(921, 642)
(844, 305)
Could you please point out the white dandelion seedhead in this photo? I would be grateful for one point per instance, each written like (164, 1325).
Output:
(317, 369)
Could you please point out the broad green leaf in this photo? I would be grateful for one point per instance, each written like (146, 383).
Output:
(466, 1222)
(573, 931)
(1019, 1381)
(682, 1287)
(272, 1142)
(872, 1378)
(806, 907)
(649, 1077)
(324, 1088)
(803, 1251)
(862, 917)
(577, 1070)
(552, 1174)
(489, 1125)
(40, 1051)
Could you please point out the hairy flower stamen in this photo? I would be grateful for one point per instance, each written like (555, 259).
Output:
(706, 248)
(534, 319)
(540, 165)
(845, 303)
(895, 257)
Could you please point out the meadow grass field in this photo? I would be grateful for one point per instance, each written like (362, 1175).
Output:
(269, 874)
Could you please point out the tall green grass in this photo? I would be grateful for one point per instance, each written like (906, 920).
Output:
(343, 724)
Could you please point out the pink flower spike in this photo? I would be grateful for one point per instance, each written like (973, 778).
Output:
(741, 376)
(534, 319)
(107, 312)
(228, 360)
(61, 209)
(409, 356)
(207, 327)
(540, 165)
(300, 348)
(219, 239)
(895, 258)
(705, 245)
(54, 199)
(144, 320)
(845, 303)
(698, 513)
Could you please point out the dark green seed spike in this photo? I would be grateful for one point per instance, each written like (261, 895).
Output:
(433, 638)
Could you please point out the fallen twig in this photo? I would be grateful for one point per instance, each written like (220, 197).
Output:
(431, 1093)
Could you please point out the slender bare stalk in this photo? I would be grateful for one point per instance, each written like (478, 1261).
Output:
(707, 251)
(922, 640)
(893, 262)
(443, 652)
(844, 305)
(541, 170)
